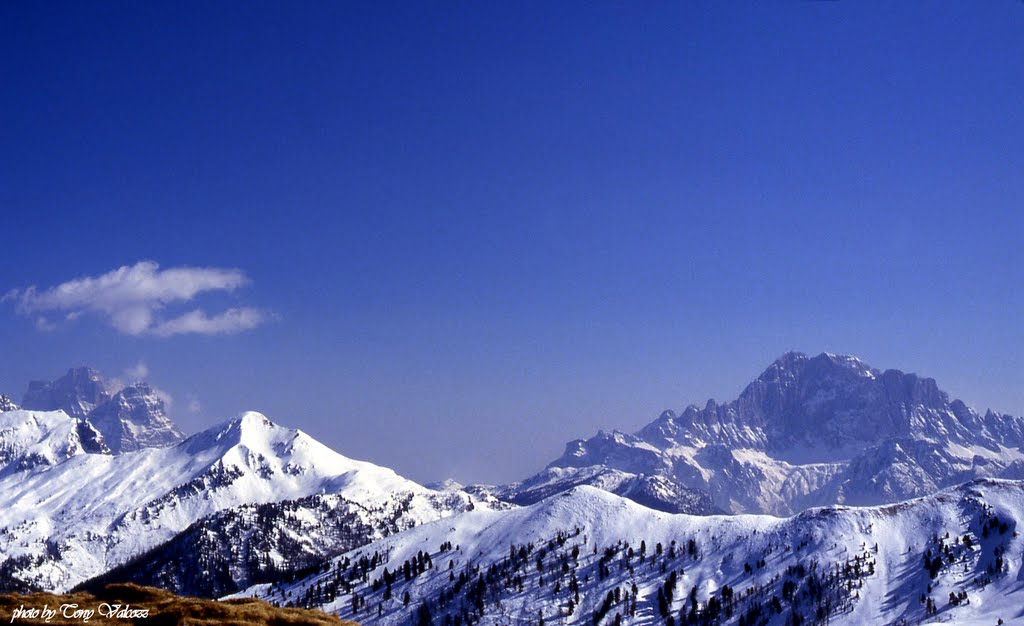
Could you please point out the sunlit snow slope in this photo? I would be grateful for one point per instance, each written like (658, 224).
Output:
(69, 511)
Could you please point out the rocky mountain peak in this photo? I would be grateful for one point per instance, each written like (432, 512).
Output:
(795, 370)
(134, 418)
(807, 431)
(838, 400)
(127, 419)
(77, 393)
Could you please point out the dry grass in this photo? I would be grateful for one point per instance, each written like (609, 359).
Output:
(165, 609)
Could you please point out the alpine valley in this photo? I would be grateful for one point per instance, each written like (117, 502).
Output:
(827, 492)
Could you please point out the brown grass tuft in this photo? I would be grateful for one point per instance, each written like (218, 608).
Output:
(165, 609)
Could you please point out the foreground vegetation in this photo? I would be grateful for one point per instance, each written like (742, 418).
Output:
(164, 608)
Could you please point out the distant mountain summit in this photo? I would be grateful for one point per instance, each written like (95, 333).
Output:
(134, 418)
(76, 393)
(808, 431)
(818, 406)
(130, 418)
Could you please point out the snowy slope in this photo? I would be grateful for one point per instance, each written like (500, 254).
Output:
(243, 545)
(650, 489)
(587, 551)
(32, 439)
(809, 431)
(78, 514)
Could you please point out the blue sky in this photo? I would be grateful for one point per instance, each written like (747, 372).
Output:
(464, 233)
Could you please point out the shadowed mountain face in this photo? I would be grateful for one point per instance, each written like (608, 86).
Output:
(131, 418)
(808, 431)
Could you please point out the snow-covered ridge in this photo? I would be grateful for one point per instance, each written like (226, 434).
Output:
(590, 557)
(77, 512)
(247, 544)
(30, 440)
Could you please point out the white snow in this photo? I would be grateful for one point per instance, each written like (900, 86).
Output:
(97, 510)
(827, 536)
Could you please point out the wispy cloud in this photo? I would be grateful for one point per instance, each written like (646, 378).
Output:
(139, 371)
(226, 323)
(44, 325)
(131, 298)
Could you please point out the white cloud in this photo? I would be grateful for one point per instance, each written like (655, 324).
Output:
(226, 323)
(44, 325)
(193, 404)
(163, 395)
(139, 371)
(131, 298)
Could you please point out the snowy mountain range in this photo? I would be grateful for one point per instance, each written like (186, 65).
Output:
(70, 510)
(97, 485)
(809, 431)
(589, 557)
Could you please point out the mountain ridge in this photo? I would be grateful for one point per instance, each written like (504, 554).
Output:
(807, 431)
(587, 556)
(73, 518)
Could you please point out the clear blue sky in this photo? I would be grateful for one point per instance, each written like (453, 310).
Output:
(474, 231)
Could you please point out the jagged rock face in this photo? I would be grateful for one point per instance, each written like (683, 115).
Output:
(76, 393)
(808, 431)
(829, 402)
(133, 419)
(91, 439)
(6, 404)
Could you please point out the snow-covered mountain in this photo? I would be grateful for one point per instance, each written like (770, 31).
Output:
(589, 557)
(129, 418)
(70, 511)
(104, 493)
(809, 431)
(31, 440)
(658, 491)
(243, 545)
(134, 418)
